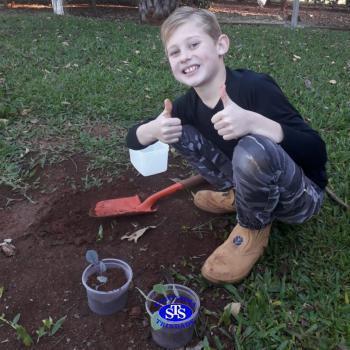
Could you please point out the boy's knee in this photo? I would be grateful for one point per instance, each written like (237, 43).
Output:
(190, 139)
(253, 153)
(189, 132)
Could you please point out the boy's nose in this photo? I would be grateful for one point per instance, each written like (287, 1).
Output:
(185, 56)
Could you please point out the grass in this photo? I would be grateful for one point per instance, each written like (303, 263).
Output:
(62, 78)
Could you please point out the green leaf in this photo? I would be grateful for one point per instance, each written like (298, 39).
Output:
(283, 345)
(176, 292)
(1, 291)
(233, 291)
(24, 336)
(40, 332)
(48, 323)
(100, 234)
(181, 277)
(218, 343)
(206, 345)
(102, 267)
(16, 319)
(156, 326)
(160, 288)
(91, 256)
(225, 317)
(209, 312)
(58, 325)
(102, 279)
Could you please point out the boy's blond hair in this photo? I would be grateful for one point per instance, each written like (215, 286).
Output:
(185, 14)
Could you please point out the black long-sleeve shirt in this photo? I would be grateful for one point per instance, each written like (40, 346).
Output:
(258, 93)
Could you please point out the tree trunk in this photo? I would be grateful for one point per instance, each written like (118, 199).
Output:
(93, 6)
(155, 11)
(57, 6)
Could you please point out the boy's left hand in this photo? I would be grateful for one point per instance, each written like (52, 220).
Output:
(233, 121)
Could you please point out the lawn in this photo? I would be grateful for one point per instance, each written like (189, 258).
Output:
(62, 78)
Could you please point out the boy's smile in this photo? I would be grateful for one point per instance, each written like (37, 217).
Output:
(191, 69)
(195, 58)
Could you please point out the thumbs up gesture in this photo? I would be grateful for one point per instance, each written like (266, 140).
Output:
(233, 121)
(166, 128)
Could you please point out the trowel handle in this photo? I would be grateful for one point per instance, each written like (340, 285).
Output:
(192, 181)
(181, 185)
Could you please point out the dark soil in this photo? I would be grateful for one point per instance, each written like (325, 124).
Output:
(51, 236)
(115, 279)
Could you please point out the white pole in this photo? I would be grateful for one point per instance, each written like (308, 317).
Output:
(295, 13)
(57, 6)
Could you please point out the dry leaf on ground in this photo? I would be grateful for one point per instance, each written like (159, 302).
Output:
(8, 249)
(134, 236)
(234, 308)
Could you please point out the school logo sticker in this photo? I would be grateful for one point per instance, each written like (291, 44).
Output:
(175, 312)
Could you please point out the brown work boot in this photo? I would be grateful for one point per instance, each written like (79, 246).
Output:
(215, 202)
(233, 260)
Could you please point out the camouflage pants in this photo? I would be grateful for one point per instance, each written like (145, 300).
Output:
(268, 184)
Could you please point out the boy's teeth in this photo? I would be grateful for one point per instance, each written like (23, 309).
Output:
(191, 69)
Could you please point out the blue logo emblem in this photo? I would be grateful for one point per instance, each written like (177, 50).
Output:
(175, 312)
(238, 240)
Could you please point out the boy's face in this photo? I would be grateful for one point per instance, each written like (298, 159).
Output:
(194, 57)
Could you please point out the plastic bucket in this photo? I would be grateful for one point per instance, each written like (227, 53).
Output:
(107, 303)
(150, 160)
(174, 334)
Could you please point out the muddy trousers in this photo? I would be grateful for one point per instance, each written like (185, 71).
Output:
(268, 184)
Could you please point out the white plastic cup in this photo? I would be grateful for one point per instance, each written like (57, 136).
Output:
(174, 335)
(107, 303)
(150, 160)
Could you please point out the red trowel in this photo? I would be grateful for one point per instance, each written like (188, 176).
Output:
(134, 206)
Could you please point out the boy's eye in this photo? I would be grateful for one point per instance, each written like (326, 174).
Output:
(174, 53)
(194, 45)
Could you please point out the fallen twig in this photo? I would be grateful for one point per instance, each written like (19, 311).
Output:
(333, 196)
(28, 198)
(74, 163)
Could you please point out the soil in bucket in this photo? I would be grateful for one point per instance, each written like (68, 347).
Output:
(116, 279)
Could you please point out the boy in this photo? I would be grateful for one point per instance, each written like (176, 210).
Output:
(238, 130)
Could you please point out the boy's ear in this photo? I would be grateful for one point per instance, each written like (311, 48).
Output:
(223, 44)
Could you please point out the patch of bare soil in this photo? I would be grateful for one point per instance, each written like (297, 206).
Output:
(309, 16)
(51, 237)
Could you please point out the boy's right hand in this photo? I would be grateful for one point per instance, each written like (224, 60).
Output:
(165, 128)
